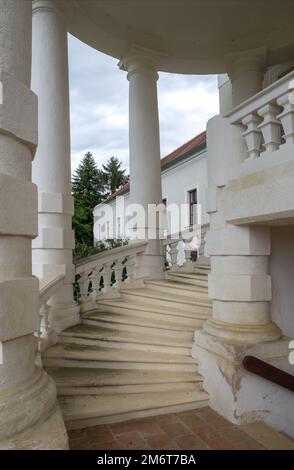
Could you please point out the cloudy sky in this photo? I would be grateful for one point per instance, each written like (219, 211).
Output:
(99, 106)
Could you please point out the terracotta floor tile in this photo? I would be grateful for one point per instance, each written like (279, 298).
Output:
(79, 444)
(190, 441)
(196, 429)
(130, 440)
(174, 429)
(99, 434)
(159, 441)
(147, 427)
(167, 419)
(120, 428)
(191, 419)
(113, 445)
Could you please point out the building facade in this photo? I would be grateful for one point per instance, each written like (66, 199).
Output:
(184, 183)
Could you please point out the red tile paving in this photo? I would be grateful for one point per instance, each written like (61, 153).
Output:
(191, 430)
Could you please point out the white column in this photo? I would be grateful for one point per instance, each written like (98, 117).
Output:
(246, 71)
(52, 249)
(144, 144)
(29, 416)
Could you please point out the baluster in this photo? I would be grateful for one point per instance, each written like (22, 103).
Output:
(270, 127)
(287, 115)
(181, 255)
(174, 253)
(168, 259)
(252, 135)
(83, 283)
(46, 336)
(131, 266)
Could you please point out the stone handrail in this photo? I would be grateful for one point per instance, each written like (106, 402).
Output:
(103, 275)
(181, 252)
(47, 287)
(267, 118)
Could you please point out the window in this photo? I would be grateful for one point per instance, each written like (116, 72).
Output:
(192, 201)
(107, 230)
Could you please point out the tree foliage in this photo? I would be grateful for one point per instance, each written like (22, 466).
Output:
(115, 176)
(91, 186)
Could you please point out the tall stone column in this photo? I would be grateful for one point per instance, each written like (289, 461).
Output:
(144, 145)
(52, 249)
(29, 416)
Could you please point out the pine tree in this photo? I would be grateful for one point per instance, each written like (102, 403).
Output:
(89, 189)
(114, 175)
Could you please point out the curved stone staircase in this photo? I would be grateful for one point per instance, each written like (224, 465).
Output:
(131, 357)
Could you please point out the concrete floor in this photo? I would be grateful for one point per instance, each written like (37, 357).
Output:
(191, 430)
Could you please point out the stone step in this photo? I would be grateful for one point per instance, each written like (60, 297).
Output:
(189, 278)
(135, 343)
(98, 333)
(74, 381)
(74, 355)
(131, 323)
(88, 410)
(153, 297)
(85, 377)
(190, 320)
(165, 311)
(172, 287)
(159, 322)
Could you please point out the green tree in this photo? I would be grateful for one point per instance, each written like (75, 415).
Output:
(89, 189)
(114, 174)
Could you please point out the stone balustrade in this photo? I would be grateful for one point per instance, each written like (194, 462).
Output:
(181, 253)
(45, 333)
(103, 275)
(267, 118)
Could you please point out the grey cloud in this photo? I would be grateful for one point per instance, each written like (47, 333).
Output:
(99, 105)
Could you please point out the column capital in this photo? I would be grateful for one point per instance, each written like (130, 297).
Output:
(49, 6)
(140, 58)
(245, 61)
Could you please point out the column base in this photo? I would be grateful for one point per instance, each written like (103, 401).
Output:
(243, 334)
(30, 417)
(238, 395)
(64, 315)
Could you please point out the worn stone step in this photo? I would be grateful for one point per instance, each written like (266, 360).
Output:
(114, 335)
(172, 287)
(75, 381)
(85, 377)
(74, 355)
(83, 411)
(134, 323)
(163, 311)
(123, 309)
(123, 343)
(189, 278)
(153, 297)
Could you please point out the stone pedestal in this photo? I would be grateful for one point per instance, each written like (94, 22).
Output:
(28, 409)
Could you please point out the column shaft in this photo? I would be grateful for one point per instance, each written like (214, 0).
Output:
(27, 396)
(145, 168)
(52, 249)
